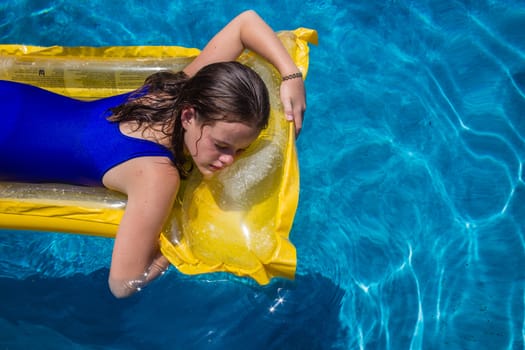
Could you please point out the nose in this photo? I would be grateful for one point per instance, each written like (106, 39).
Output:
(226, 159)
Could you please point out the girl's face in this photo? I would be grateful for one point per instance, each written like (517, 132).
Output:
(214, 147)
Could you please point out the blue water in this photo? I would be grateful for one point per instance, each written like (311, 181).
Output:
(411, 224)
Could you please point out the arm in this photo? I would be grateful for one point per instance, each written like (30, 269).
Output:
(249, 31)
(151, 185)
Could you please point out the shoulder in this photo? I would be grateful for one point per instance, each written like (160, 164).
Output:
(143, 175)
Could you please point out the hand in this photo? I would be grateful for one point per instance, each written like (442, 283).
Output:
(293, 98)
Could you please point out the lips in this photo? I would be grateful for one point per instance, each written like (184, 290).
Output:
(216, 168)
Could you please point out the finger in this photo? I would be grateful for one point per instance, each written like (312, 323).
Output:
(298, 120)
(294, 116)
(288, 111)
(298, 127)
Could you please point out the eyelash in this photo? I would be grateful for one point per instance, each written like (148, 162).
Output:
(222, 148)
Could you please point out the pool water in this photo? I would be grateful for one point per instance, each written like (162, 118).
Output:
(410, 229)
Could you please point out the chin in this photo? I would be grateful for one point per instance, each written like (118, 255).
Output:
(206, 172)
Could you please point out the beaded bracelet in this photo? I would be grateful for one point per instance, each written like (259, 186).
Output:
(292, 76)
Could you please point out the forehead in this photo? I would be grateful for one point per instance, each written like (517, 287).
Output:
(232, 133)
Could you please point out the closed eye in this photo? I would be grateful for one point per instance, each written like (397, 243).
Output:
(228, 149)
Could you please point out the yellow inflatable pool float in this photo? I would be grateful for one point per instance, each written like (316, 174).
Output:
(237, 222)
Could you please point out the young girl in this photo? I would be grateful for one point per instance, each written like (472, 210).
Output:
(201, 118)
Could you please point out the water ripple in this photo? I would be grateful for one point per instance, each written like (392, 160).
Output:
(410, 230)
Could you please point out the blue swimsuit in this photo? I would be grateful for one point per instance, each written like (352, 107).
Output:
(45, 137)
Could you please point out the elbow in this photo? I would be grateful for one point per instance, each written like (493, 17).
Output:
(249, 15)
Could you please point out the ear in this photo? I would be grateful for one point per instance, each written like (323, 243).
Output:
(187, 116)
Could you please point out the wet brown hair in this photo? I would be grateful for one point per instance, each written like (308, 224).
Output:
(225, 91)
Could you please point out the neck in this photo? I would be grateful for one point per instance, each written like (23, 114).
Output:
(152, 133)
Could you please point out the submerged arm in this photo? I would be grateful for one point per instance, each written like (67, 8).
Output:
(151, 186)
(249, 31)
